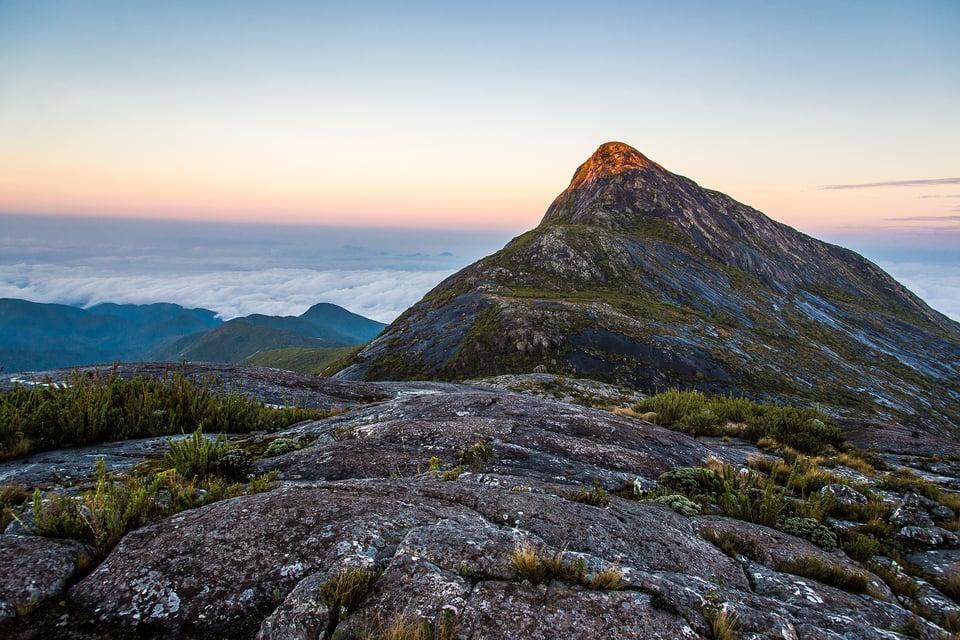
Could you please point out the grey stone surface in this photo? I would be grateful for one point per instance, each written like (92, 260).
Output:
(35, 569)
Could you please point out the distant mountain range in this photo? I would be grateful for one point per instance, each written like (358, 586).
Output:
(641, 277)
(36, 336)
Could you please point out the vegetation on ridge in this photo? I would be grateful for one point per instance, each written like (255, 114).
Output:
(93, 407)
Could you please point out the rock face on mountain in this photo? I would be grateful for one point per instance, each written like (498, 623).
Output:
(641, 277)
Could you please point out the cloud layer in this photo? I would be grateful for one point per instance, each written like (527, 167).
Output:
(378, 294)
(237, 270)
(234, 270)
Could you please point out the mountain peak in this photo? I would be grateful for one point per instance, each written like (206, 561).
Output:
(610, 159)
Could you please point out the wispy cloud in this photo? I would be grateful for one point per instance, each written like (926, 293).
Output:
(894, 183)
(949, 195)
(926, 218)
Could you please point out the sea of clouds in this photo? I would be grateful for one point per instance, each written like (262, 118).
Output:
(234, 270)
(241, 269)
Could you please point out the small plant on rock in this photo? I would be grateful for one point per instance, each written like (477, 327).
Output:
(681, 504)
(811, 530)
(474, 457)
(233, 464)
(343, 592)
(594, 496)
(281, 446)
(733, 545)
(606, 579)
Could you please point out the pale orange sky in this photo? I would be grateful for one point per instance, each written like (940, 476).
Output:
(474, 117)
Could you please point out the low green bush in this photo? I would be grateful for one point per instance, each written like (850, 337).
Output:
(196, 455)
(689, 481)
(681, 504)
(281, 446)
(116, 506)
(804, 429)
(810, 529)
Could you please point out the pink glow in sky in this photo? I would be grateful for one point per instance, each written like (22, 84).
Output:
(475, 116)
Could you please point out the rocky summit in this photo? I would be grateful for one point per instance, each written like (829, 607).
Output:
(501, 509)
(640, 277)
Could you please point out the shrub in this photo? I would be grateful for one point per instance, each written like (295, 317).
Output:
(829, 574)
(806, 430)
(233, 464)
(803, 429)
(671, 405)
(101, 516)
(860, 547)
(690, 481)
(281, 446)
(811, 530)
(195, 455)
(116, 506)
(92, 407)
(681, 504)
(753, 505)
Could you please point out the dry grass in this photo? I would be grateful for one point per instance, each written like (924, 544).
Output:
(539, 567)
(531, 564)
(852, 460)
(901, 585)
(609, 579)
(724, 625)
(406, 627)
(951, 500)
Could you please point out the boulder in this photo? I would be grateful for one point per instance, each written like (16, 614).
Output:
(36, 569)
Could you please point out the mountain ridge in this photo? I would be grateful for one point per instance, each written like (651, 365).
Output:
(36, 336)
(639, 276)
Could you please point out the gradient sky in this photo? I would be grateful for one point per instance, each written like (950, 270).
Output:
(460, 115)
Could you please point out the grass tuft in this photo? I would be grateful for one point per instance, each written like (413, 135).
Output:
(595, 496)
(829, 574)
(343, 592)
